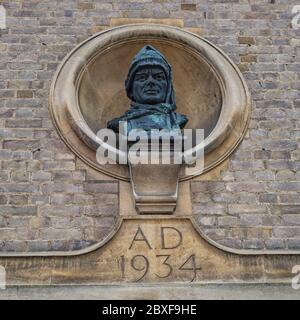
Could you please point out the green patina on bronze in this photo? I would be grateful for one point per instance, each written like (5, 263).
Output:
(150, 89)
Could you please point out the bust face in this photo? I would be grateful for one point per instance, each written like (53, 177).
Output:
(149, 85)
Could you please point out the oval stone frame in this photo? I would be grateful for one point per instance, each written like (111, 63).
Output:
(74, 130)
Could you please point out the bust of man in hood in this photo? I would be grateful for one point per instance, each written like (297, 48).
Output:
(150, 89)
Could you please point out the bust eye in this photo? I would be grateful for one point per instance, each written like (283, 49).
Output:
(141, 77)
(159, 77)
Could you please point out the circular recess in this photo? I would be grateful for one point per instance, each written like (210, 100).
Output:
(88, 90)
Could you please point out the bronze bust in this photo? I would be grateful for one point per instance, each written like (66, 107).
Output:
(150, 89)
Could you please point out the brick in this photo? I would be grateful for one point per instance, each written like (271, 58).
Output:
(57, 234)
(250, 220)
(293, 244)
(60, 222)
(33, 165)
(101, 186)
(38, 222)
(243, 67)
(246, 40)
(18, 221)
(247, 165)
(285, 186)
(256, 244)
(40, 176)
(265, 175)
(21, 144)
(54, 210)
(64, 156)
(18, 199)
(268, 198)
(24, 94)
(245, 208)
(224, 197)
(59, 245)
(62, 175)
(22, 133)
(61, 187)
(201, 197)
(24, 123)
(3, 199)
(289, 198)
(249, 58)
(61, 198)
(188, 6)
(285, 175)
(242, 186)
(292, 220)
(80, 244)
(4, 176)
(19, 210)
(101, 232)
(79, 175)
(5, 154)
(207, 221)
(6, 113)
(274, 244)
(85, 199)
(16, 188)
(207, 186)
(38, 245)
(280, 155)
(280, 145)
(85, 6)
(208, 208)
(279, 164)
(22, 155)
(14, 245)
(23, 103)
(82, 222)
(215, 233)
(227, 221)
(103, 210)
(289, 209)
(21, 176)
(48, 22)
(106, 222)
(58, 165)
(13, 165)
(286, 232)
(295, 155)
(231, 243)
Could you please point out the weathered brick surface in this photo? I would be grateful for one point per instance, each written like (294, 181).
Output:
(46, 201)
(255, 202)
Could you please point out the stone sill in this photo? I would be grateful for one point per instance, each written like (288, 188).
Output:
(151, 292)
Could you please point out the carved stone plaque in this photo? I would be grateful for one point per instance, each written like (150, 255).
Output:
(148, 250)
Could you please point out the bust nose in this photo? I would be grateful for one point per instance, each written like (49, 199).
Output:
(150, 81)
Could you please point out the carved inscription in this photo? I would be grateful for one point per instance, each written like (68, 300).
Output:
(158, 254)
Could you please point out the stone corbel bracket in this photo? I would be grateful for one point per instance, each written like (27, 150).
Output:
(155, 186)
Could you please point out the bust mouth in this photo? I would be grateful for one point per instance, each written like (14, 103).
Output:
(151, 92)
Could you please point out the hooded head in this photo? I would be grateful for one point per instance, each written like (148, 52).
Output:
(149, 60)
